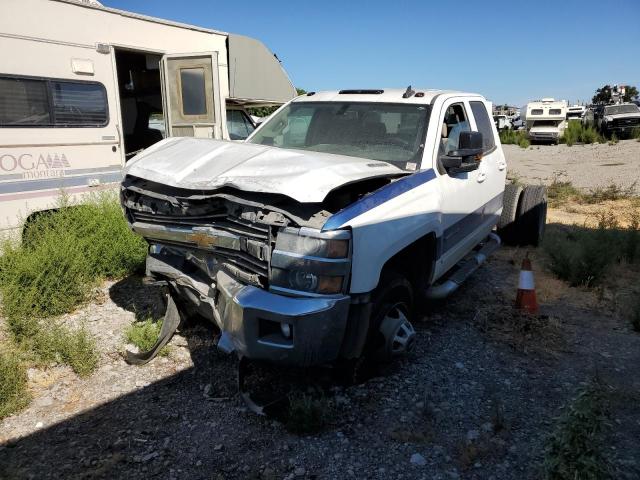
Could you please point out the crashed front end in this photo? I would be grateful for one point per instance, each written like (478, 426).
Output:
(274, 284)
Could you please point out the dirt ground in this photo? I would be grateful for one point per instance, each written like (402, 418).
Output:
(587, 166)
(476, 399)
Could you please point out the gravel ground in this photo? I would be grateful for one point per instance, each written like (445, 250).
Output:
(475, 400)
(587, 166)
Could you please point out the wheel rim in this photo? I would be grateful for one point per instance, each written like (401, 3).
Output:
(397, 331)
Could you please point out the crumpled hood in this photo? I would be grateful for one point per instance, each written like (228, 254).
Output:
(204, 164)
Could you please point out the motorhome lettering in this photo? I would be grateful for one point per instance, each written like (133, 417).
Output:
(27, 163)
(77, 103)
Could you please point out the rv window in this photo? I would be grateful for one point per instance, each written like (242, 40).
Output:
(32, 102)
(194, 100)
(536, 111)
(23, 102)
(79, 104)
(484, 124)
(554, 111)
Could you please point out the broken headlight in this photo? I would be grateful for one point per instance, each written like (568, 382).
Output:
(310, 261)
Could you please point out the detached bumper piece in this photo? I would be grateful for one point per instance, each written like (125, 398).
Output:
(257, 324)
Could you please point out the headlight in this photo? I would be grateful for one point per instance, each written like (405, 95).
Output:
(311, 261)
(608, 119)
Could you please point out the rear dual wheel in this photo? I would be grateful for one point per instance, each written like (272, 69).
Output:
(524, 215)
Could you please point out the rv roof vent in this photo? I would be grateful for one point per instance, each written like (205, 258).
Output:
(548, 99)
(310, 94)
(360, 92)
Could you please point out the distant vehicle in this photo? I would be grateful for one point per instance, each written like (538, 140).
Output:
(546, 120)
(502, 122)
(618, 119)
(576, 112)
(517, 123)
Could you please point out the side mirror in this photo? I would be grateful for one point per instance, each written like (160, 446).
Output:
(464, 158)
(469, 145)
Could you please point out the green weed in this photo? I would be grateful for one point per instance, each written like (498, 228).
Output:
(307, 414)
(64, 254)
(576, 132)
(582, 256)
(575, 449)
(13, 383)
(143, 334)
(514, 137)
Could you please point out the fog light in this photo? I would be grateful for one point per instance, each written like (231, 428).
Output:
(285, 328)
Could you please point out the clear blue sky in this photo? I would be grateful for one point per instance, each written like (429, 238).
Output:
(510, 51)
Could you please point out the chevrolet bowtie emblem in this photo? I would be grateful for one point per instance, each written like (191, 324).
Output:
(202, 240)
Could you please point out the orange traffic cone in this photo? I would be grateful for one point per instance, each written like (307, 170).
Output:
(526, 297)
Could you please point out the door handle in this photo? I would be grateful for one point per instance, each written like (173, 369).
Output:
(481, 177)
(502, 165)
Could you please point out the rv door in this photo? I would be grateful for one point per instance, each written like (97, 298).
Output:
(191, 95)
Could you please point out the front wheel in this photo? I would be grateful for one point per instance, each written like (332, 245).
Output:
(391, 333)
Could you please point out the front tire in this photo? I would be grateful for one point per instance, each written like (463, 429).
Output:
(391, 333)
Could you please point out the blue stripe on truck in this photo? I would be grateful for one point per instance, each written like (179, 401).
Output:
(379, 197)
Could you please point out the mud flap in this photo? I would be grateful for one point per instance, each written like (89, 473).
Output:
(169, 326)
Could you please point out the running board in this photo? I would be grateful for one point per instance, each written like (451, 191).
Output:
(465, 268)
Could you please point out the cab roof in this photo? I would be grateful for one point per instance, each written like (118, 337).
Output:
(383, 95)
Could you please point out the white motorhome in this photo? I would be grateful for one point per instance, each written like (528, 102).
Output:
(546, 119)
(576, 112)
(84, 87)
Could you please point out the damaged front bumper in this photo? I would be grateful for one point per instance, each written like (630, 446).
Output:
(261, 325)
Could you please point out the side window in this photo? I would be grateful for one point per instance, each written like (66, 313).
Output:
(79, 104)
(456, 120)
(24, 102)
(484, 125)
(31, 102)
(238, 125)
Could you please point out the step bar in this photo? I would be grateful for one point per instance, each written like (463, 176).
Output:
(465, 268)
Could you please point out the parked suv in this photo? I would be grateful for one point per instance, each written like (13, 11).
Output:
(313, 241)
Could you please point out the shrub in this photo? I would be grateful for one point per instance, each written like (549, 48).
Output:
(560, 191)
(63, 255)
(614, 139)
(144, 334)
(575, 449)
(55, 343)
(307, 414)
(514, 137)
(576, 132)
(582, 256)
(13, 383)
(610, 192)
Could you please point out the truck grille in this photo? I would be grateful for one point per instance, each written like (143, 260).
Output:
(223, 232)
(626, 122)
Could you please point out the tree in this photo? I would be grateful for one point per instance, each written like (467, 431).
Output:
(603, 94)
(266, 111)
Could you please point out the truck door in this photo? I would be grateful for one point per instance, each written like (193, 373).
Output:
(467, 198)
(191, 95)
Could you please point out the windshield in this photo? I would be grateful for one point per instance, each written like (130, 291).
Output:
(617, 109)
(391, 133)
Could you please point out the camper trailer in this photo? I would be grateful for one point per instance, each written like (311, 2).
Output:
(576, 112)
(546, 120)
(83, 88)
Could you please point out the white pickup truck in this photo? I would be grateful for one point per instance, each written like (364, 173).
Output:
(313, 241)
